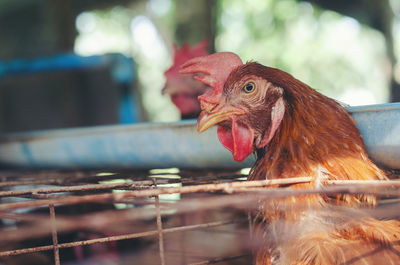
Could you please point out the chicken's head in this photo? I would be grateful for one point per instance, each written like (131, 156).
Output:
(247, 107)
(182, 88)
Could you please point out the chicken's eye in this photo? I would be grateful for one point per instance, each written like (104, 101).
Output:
(249, 87)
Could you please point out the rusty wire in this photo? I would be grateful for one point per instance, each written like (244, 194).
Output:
(120, 237)
(353, 187)
(78, 188)
(144, 190)
(54, 234)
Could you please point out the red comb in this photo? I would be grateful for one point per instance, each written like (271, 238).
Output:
(184, 54)
(215, 69)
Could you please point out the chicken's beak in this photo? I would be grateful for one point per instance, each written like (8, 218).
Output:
(215, 116)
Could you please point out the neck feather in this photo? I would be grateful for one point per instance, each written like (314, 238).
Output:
(316, 132)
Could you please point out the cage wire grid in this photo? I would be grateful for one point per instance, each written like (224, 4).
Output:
(175, 216)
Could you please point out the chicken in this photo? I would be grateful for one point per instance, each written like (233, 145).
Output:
(294, 132)
(182, 88)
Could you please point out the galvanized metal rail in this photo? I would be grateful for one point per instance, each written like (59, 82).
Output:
(145, 146)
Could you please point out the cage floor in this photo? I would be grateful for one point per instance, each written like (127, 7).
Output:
(167, 216)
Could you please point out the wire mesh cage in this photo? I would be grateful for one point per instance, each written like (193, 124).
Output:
(167, 216)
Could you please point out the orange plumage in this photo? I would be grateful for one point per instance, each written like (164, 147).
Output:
(295, 132)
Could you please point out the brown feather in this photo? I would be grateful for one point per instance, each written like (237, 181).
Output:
(308, 135)
(316, 138)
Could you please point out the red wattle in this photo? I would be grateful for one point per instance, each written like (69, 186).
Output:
(239, 140)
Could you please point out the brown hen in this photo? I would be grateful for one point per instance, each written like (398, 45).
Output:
(295, 132)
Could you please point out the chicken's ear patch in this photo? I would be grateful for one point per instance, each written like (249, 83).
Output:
(239, 140)
(278, 110)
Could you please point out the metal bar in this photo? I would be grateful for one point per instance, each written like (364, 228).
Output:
(54, 235)
(159, 225)
(135, 146)
(88, 187)
(231, 187)
(118, 146)
(160, 231)
(227, 187)
(245, 201)
(117, 238)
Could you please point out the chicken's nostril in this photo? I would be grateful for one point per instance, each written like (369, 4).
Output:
(207, 104)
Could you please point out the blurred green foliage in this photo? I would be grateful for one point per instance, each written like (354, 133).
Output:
(332, 53)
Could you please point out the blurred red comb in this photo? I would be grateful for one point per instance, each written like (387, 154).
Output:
(184, 54)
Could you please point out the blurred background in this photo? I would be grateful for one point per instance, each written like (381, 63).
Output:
(94, 62)
(77, 63)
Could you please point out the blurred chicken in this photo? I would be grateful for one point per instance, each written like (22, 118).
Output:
(295, 132)
(182, 88)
